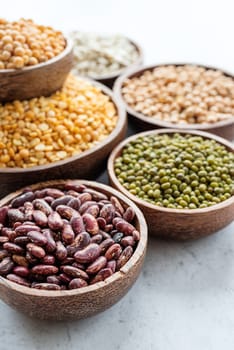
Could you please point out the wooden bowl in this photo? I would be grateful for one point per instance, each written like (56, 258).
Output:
(223, 128)
(178, 224)
(109, 79)
(87, 301)
(40, 80)
(84, 165)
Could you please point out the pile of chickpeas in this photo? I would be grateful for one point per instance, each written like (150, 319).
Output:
(24, 43)
(48, 129)
(181, 94)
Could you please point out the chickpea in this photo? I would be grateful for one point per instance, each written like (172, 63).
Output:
(191, 93)
(29, 41)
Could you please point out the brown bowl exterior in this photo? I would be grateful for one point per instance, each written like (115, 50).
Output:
(180, 224)
(87, 301)
(42, 79)
(109, 79)
(85, 165)
(224, 128)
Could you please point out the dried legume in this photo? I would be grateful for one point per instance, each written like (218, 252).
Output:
(25, 43)
(184, 94)
(97, 55)
(48, 129)
(47, 258)
(176, 171)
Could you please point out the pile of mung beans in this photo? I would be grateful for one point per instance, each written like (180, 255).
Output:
(178, 171)
(24, 43)
(181, 94)
(65, 238)
(48, 129)
(97, 55)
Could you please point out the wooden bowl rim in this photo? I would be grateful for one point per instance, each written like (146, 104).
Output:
(121, 120)
(136, 63)
(138, 253)
(142, 203)
(67, 50)
(117, 89)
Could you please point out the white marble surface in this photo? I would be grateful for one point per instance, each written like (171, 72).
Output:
(184, 298)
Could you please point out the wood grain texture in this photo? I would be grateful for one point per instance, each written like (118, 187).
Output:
(178, 224)
(42, 79)
(87, 301)
(223, 128)
(85, 165)
(109, 79)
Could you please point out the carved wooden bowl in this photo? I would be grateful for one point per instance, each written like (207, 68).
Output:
(223, 128)
(43, 79)
(84, 165)
(86, 301)
(178, 224)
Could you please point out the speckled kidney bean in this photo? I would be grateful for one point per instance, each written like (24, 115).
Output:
(93, 210)
(55, 222)
(102, 275)
(13, 248)
(106, 244)
(46, 286)
(50, 245)
(3, 253)
(124, 257)
(3, 214)
(97, 238)
(77, 283)
(74, 272)
(53, 239)
(20, 260)
(21, 240)
(88, 254)
(22, 271)
(74, 203)
(64, 278)
(113, 252)
(37, 238)
(53, 279)
(6, 265)
(42, 269)
(61, 201)
(48, 260)
(77, 224)
(129, 214)
(35, 250)
(4, 239)
(85, 205)
(111, 264)
(42, 205)
(97, 265)
(124, 226)
(96, 195)
(67, 234)
(128, 240)
(61, 251)
(116, 203)
(108, 212)
(40, 218)
(80, 242)
(91, 224)
(20, 200)
(23, 229)
(18, 279)
(15, 215)
(85, 197)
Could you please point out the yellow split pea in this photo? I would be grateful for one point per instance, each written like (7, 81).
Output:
(48, 129)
